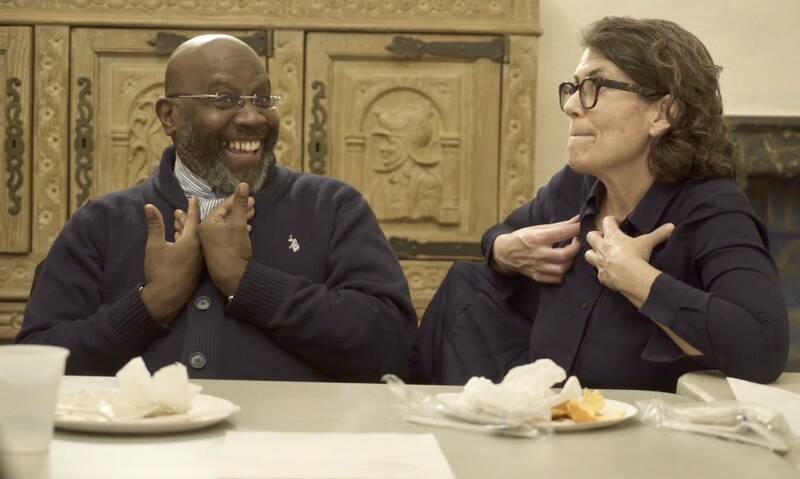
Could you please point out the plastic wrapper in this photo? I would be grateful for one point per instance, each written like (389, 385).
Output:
(523, 395)
(421, 408)
(736, 421)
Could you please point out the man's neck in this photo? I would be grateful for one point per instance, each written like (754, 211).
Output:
(191, 183)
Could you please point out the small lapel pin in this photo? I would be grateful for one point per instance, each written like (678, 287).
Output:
(294, 245)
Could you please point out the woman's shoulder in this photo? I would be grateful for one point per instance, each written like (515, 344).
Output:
(713, 191)
(701, 198)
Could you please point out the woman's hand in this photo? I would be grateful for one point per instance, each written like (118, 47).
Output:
(623, 262)
(530, 252)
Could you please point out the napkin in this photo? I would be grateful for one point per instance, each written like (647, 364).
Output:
(525, 391)
(285, 455)
(168, 391)
(785, 402)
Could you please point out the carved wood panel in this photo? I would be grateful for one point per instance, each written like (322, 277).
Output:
(417, 137)
(286, 75)
(424, 278)
(117, 76)
(518, 16)
(48, 172)
(50, 147)
(518, 130)
(15, 146)
(10, 319)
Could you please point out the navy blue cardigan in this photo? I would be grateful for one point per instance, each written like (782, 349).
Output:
(336, 308)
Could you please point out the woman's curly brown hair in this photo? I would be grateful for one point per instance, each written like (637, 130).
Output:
(663, 56)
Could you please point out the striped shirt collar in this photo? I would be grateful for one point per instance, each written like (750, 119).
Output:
(193, 185)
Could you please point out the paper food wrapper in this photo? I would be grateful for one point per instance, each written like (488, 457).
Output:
(139, 395)
(524, 393)
(168, 391)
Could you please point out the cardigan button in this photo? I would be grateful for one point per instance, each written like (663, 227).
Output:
(585, 305)
(202, 303)
(198, 360)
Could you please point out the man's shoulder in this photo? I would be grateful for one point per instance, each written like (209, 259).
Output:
(117, 203)
(302, 183)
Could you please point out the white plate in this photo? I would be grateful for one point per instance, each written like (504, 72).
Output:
(206, 410)
(612, 408)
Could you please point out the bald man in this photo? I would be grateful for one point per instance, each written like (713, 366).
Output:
(223, 260)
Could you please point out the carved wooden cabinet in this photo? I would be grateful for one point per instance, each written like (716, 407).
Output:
(18, 232)
(426, 106)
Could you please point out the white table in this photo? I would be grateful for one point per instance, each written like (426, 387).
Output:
(713, 385)
(630, 449)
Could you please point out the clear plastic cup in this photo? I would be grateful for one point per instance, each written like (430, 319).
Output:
(30, 376)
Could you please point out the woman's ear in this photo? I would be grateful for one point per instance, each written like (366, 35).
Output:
(167, 115)
(666, 110)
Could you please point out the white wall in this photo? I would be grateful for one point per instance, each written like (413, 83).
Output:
(757, 42)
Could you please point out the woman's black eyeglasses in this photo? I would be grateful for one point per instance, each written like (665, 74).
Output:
(589, 89)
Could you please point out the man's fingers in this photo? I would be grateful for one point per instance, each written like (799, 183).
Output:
(241, 199)
(224, 209)
(219, 213)
(180, 220)
(660, 234)
(193, 214)
(251, 208)
(155, 225)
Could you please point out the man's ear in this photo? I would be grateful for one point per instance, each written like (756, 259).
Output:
(168, 115)
(666, 109)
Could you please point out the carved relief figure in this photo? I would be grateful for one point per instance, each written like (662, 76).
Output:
(145, 139)
(405, 155)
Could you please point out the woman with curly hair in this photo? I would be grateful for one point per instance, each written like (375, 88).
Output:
(640, 260)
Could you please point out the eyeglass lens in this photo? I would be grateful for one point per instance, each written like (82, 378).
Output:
(587, 92)
(229, 101)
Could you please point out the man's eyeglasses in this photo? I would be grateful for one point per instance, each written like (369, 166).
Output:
(589, 89)
(224, 101)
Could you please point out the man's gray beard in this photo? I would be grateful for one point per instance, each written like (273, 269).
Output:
(207, 161)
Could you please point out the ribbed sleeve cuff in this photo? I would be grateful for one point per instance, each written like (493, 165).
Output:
(132, 323)
(259, 294)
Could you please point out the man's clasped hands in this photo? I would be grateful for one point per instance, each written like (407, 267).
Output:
(173, 269)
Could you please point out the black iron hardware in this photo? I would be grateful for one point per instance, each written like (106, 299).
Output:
(410, 249)
(410, 48)
(317, 147)
(14, 145)
(84, 143)
(166, 42)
